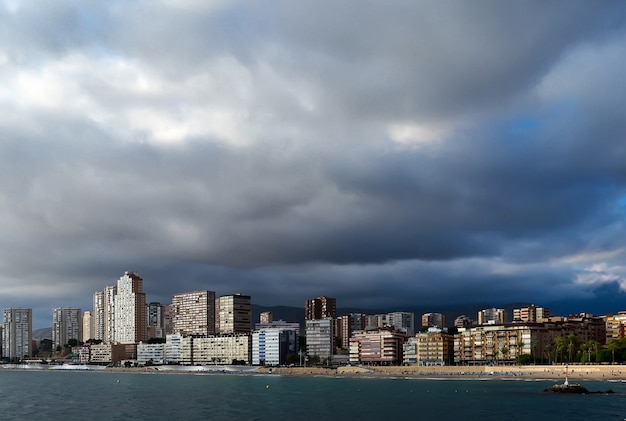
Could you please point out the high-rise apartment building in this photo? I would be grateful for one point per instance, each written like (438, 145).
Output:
(531, 314)
(320, 337)
(233, 314)
(109, 294)
(103, 316)
(434, 320)
(67, 323)
(320, 308)
(17, 333)
(348, 324)
(266, 317)
(193, 313)
(87, 326)
(156, 321)
(492, 316)
(130, 310)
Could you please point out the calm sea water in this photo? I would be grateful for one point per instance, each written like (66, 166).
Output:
(123, 396)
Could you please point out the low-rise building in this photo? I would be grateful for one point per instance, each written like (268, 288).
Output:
(218, 349)
(434, 347)
(271, 346)
(150, 354)
(378, 347)
(105, 354)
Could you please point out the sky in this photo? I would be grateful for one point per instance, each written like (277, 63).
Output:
(391, 154)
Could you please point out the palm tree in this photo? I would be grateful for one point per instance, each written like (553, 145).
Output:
(561, 345)
(613, 345)
(505, 351)
(572, 344)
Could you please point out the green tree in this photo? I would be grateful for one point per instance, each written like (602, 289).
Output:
(613, 345)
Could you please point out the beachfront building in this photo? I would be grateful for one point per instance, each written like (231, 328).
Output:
(377, 347)
(496, 344)
(270, 346)
(492, 316)
(320, 338)
(348, 324)
(233, 314)
(615, 325)
(320, 308)
(431, 348)
(150, 354)
(17, 333)
(104, 354)
(194, 313)
(434, 320)
(219, 349)
(173, 348)
(491, 344)
(81, 354)
(67, 323)
(130, 310)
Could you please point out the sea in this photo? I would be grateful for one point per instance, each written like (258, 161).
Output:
(89, 395)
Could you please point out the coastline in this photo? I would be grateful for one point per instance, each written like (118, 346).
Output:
(548, 372)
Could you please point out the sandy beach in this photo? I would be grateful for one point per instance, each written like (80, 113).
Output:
(575, 372)
(557, 372)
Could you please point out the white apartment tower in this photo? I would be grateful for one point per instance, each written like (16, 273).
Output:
(67, 323)
(130, 310)
(17, 333)
(103, 316)
(194, 313)
(87, 326)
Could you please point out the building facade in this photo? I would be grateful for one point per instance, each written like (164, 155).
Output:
(320, 338)
(223, 349)
(130, 310)
(378, 347)
(67, 323)
(193, 313)
(320, 308)
(431, 348)
(234, 314)
(434, 320)
(492, 316)
(348, 324)
(17, 333)
(271, 346)
(87, 326)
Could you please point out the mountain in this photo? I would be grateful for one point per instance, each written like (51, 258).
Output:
(43, 333)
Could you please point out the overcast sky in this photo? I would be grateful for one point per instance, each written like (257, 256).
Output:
(387, 153)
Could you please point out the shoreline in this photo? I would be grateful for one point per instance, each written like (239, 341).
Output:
(536, 372)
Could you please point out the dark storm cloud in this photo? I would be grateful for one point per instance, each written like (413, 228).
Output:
(412, 152)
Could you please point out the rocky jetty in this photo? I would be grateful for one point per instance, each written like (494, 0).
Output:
(573, 389)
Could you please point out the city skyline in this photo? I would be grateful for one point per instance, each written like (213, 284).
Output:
(420, 154)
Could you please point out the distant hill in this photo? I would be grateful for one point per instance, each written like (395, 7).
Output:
(44, 333)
